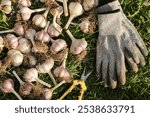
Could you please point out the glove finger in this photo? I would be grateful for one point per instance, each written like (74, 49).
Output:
(130, 48)
(99, 55)
(141, 57)
(112, 72)
(119, 60)
(131, 63)
(105, 71)
(135, 37)
(120, 68)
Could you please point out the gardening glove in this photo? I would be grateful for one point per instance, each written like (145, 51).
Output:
(130, 43)
(133, 35)
(110, 58)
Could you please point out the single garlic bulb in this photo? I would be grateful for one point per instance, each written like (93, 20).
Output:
(18, 29)
(5, 6)
(42, 35)
(46, 66)
(57, 45)
(62, 73)
(24, 3)
(16, 57)
(24, 45)
(84, 25)
(75, 10)
(40, 20)
(89, 4)
(31, 75)
(12, 41)
(78, 45)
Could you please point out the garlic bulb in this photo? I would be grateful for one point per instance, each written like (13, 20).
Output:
(57, 45)
(26, 12)
(40, 20)
(89, 4)
(62, 73)
(18, 29)
(24, 45)
(84, 25)
(8, 87)
(25, 87)
(75, 10)
(15, 56)
(31, 75)
(30, 33)
(57, 11)
(42, 35)
(65, 6)
(46, 68)
(29, 60)
(1, 44)
(12, 41)
(48, 93)
(24, 3)
(78, 45)
(54, 30)
(5, 6)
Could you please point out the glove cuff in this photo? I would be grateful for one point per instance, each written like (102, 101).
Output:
(112, 6)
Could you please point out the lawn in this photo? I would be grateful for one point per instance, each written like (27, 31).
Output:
(137, 85)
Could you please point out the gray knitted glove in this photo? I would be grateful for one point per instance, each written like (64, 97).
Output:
(111, 50)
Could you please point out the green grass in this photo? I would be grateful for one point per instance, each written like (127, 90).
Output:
(137, 85)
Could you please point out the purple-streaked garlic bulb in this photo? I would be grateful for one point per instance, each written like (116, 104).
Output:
(15, 56)
(75, 10)
(43, 35)
(59, 10)
(65, 6)
(46, 67)
(18, 29)
(40, 20)
(5, 6)
(57, 45)
(78, 45)
(1, 44)
(24, 45)
(62, 73)
(31, 75)
(89, 4)
(25, 87)
(54, 30)
(24, 3)
(7, 86)
(26, 12)
(48, 93)
(84, 25)
(12, 41)
(30, 34)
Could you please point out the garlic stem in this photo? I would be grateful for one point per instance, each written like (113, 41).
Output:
(52, 78)
(46, 27)
(58, 85)
(70, 35)
(69, 22)
(65, 7)
(44, 83)
(18, 78)
(38, 10)
(46, 12)
(64, 61)
(16, 94)
(7, 31)
(52, 40)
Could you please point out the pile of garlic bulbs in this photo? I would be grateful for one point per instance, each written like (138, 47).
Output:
(34, 44)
